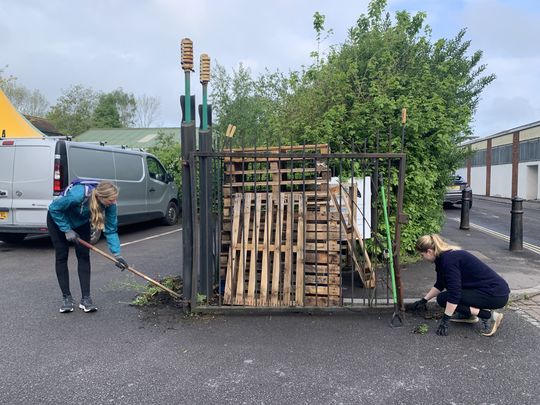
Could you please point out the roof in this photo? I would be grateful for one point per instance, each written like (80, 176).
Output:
(502, 133)
(13, 124)
(131, 137)
(43, 125)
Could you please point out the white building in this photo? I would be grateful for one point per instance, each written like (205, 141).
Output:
(505, 164)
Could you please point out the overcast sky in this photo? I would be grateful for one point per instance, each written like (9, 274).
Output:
(134, 44)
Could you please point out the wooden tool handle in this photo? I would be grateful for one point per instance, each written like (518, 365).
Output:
(112, 259)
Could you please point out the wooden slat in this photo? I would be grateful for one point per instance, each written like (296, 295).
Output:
(332, 279)
(322, 269)
(230, 279)
(265, 271)
(240, 285)
(250, 299)
(322, 258)
(320, 247)
(320, 148)
(264, 170)
(312, 301)
(274, 301)
(287, 273)
(358, 234)
(323, 290)
(299, 295)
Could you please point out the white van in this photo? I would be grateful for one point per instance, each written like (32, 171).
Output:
(34, 171)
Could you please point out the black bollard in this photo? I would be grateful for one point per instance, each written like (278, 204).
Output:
(516, 225)
(466, 198)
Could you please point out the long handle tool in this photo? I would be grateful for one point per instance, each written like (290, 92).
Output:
(397, 319)
(112, 259)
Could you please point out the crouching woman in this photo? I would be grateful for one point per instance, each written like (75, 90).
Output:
(465, 287)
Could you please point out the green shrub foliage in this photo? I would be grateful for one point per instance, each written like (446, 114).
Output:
(358, 90)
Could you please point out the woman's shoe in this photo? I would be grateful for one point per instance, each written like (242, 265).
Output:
(67, 304)
(490, 326)
(87, 305)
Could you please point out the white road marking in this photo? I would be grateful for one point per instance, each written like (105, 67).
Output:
(150, 237)
(526, 245)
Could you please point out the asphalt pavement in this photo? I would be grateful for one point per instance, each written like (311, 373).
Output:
(129, 355)
(520, 269)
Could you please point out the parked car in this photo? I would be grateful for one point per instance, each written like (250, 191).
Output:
(35, 171)
(454, 191)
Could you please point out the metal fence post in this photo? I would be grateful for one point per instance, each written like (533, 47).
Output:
(205, 145)
(466, 198)
(516, 225)
(188, 145)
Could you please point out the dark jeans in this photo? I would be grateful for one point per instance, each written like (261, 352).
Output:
(473, 298)
(61, 247)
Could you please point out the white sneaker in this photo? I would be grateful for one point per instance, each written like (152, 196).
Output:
(492, 324)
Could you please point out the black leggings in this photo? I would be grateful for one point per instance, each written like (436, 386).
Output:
(61, 247)
(475, 299)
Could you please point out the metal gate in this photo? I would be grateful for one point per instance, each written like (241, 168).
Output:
(293, 227)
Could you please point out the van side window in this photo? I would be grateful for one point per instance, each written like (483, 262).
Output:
(155, 170)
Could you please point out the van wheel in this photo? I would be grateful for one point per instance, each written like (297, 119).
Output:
(171, 216)
(95, 235)
(12, 237)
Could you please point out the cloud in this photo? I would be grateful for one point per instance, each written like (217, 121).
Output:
(51, 45)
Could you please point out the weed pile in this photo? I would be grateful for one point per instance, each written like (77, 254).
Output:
(153, 295)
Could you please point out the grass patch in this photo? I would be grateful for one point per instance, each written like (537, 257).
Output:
(421, 329)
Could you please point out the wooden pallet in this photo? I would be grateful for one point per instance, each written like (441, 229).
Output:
(282, 234)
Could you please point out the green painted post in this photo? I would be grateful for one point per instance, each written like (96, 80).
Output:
(205, 145)
(188, 145)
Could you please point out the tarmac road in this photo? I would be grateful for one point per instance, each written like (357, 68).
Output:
(127, 355)
(495, 214)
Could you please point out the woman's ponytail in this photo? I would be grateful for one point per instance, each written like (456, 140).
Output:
(434, 242)
(105, 191)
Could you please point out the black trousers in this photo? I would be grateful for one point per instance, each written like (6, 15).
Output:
(61, 247)
(473, 298)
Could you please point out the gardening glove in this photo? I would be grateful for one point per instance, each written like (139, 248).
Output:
(420, 305)
(121, 263)
(442, 330)
(72, 236)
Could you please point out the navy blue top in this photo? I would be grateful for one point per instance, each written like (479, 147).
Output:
(460, 270)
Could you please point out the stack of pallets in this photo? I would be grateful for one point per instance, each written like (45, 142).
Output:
(280, 232)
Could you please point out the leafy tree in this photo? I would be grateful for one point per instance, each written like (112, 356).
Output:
(73, 112)
(167, 150)
(115, 110)
(358, 91)
(106, 114)
(253, 105)
(387, 64)
(31, 102)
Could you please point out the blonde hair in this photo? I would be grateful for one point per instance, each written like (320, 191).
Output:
(434, 242)
(106, 191)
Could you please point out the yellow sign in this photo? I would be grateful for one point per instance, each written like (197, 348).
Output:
(3, 215)
(13, 124)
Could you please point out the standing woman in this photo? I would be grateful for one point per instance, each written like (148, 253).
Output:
(69, 218)
(473, 289)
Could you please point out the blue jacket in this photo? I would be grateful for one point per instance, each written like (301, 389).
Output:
(71, 211)
(460, 270)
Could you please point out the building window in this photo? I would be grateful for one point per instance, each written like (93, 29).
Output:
(501, 155)
(529, 150)
(479, 158)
